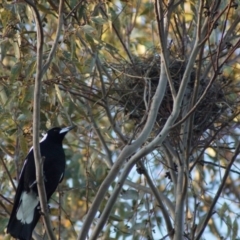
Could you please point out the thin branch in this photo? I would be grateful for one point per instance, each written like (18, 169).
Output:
(108, 161)
(179, 207)
(4, 207)
(222, 36)
(170, 156)
(163, 45)
(112, 199)
(204, 28)
(206, 145)
(218, 165)
(8, 173)
(17, 153)
(55, 43)
(75, 93)
(160, 199)
(36, 123)
(6, 199)
(216, 72)
(37, 236)
(74, 8)
(113, 124)
(210, 211)
(119, 36)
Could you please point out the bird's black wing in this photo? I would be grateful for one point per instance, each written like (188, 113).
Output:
(53, 175)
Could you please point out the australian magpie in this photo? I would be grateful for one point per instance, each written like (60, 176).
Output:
(26, 210)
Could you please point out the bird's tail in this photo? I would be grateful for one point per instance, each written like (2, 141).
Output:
(20, 230)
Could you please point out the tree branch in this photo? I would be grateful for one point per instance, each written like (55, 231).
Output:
(36, 111)
(8, 173)
(127, 151)
(108, 161)
(161, 199)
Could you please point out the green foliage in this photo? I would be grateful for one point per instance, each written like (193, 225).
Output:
(101, 80)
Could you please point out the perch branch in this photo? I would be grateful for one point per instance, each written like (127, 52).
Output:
(36, 112)
(36, 124)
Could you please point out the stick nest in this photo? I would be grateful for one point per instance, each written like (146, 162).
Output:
(138, 83)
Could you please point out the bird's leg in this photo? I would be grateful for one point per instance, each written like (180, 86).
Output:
(39, 209)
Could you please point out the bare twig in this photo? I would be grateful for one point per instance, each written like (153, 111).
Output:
(108, 159)
(159, 197)
(210, 211)
(8, 173)
(6, 199)
(113, 124)
(216, 72)
(222, 36)
(55, 43)
(119, 36)
(4, 207)
(74, 8)
(162, 40)
(171, 156)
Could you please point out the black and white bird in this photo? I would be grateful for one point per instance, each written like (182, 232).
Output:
(26, 210)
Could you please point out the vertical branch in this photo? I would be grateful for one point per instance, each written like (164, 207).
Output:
(36, 124)
(182, 183)
(179, 207)
(60, 193)
(222, 36)
(55, 43)
(36, 111)
(171, 157)
(162, 31)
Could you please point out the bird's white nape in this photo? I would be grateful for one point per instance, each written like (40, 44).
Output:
(28, 202)
(43, 138)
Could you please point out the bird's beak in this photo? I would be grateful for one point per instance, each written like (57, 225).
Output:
(66, 129)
